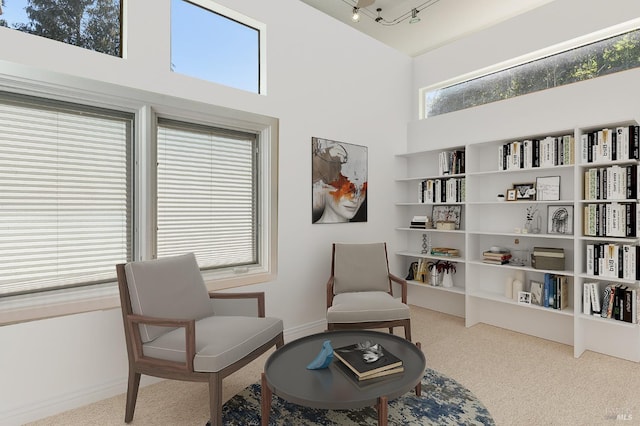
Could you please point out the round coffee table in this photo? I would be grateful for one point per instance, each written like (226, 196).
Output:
(285, 374)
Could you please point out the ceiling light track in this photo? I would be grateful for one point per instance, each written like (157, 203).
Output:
(359, 10)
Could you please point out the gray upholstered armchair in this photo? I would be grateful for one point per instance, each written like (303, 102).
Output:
(360, 293)
(176, 330)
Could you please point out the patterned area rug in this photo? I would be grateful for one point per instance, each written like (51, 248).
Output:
(443, 402)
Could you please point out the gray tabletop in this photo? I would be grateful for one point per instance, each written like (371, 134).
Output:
(332, 388)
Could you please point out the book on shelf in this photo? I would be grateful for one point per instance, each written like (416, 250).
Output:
(555, 291)
(496, 255)
(615, 219)
(368, 360)
(441, 190)
(545, 152)
(619, 143)
(613, 260)
(445, 252)
(495, 261)
(419, 222)
(613, 301)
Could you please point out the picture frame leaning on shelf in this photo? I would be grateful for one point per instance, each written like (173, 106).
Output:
(560, 220)
(548, 188)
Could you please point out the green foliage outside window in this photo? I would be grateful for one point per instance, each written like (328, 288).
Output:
(593, 60)
(91, 24)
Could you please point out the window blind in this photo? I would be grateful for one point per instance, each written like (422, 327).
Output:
(207, 194)
(64, 194)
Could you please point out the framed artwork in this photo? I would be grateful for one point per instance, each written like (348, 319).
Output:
(536, 293)
(560, 220)
(339, 182)
(447, 214)
(548, 188)
(525, 191)
(524, 297)
(511, 195)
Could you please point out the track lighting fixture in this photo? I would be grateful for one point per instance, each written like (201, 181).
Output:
(360, 8)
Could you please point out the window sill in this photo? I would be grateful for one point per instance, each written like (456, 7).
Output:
(37, 306)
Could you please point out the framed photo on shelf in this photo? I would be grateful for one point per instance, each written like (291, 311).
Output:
(548, 188)
(560, 220)
(536, 293)
(449, 214)
(511, 194)
(525, 191)
(524, 297)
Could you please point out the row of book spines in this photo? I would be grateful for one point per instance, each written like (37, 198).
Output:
(451, 162)
(620, 143)
(613, 260)
(611, 220)
(555, 291)
(530, 153)
(442, 190)
(611, 183)
(616, 301)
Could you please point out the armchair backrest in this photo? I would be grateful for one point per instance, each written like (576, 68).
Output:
(360, 267)
(170, 287)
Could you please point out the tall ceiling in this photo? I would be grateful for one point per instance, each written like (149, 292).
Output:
(441, 21)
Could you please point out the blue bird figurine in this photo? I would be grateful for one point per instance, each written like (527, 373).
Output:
(324, 358)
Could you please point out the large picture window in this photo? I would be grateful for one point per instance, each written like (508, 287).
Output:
(65, 203)
(207, 201)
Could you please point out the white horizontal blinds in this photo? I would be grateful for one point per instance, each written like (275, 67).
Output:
(207, 194)
(64, 185)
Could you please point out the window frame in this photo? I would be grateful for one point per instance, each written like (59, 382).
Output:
(146, 106)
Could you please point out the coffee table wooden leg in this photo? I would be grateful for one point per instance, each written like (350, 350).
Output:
(383, 411)
(265, 402)
(419, 385)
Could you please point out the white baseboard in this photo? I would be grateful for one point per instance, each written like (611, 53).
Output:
(36, 410)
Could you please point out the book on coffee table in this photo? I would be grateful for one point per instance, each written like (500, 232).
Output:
(368, 360)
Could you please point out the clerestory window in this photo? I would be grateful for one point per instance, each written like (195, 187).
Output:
(606, 56)
(218, 45)
(90, 24)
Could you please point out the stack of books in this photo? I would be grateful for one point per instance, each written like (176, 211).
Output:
(445, 252)
(419, 222)
(496, 257)
(367, 360)
(548, 258)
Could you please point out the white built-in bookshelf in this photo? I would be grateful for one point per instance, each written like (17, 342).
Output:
(480, 291)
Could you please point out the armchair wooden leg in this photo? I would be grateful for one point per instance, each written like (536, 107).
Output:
(407, 331)
(132, 395)
(215, 398)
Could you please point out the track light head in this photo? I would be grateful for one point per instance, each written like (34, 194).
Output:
(414, 16)
(355, 17)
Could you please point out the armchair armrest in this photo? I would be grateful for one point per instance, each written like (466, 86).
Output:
(221, 308)
(403, 286)
(132, 321)
(330, 291)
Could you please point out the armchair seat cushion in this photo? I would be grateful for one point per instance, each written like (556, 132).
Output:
(366, 306)
(220, 341)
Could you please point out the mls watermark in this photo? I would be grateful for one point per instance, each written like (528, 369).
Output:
(618, 413)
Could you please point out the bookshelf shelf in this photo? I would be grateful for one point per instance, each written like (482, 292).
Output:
(454, 289)
(487, 221)
(502, 299)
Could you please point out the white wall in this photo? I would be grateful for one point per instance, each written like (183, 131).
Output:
(552, 24)
(324, 80)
